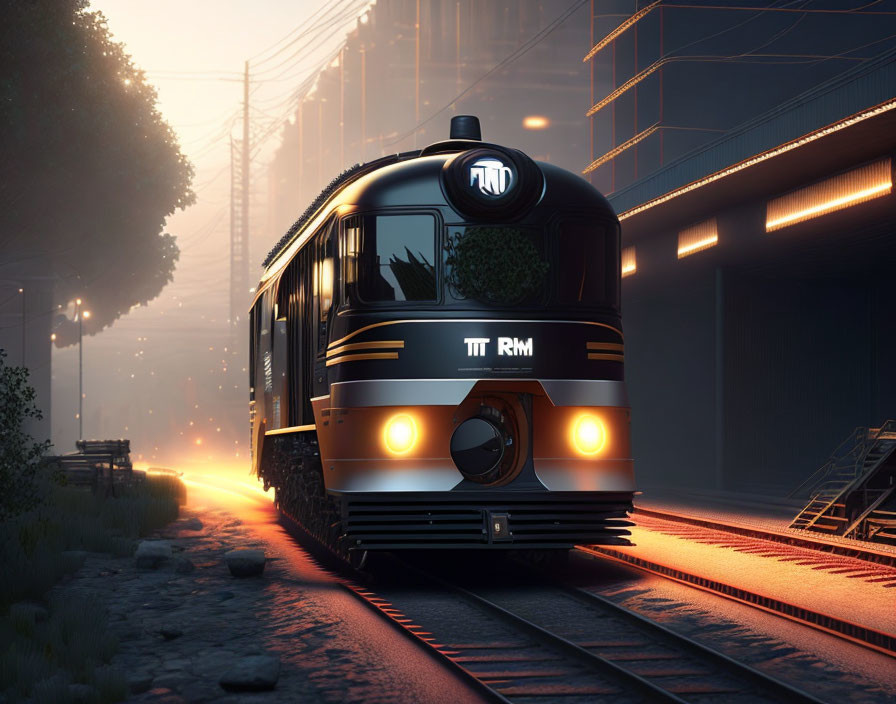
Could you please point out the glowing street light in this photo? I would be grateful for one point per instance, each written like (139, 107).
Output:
(536, 122)
(80, 316)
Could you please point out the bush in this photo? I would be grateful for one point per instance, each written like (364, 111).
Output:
(20, 455)
(39, 659)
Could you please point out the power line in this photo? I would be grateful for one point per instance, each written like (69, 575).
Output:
(520, 51)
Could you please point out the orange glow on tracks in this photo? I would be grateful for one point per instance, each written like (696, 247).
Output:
(847, 630)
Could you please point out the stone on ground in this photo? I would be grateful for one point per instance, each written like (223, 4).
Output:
(152, 553)
(245, 563)
(192, 524)
(254, 673)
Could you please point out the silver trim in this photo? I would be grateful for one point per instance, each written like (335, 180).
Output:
(399, 392)
(585, 392)
(450, 392)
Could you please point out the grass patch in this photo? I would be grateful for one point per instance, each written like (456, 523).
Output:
(47, 645)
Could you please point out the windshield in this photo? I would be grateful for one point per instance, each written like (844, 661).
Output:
(395, 256)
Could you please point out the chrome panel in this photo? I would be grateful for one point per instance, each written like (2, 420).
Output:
(400, 392)
(391, 475)
(562, 474)
(450, 392)
(585, 392)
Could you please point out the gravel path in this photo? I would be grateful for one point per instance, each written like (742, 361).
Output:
(186, 623)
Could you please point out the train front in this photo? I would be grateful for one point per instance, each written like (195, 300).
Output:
(475, 366)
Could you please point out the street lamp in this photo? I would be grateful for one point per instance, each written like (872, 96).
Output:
(22, 291)
(80, 316)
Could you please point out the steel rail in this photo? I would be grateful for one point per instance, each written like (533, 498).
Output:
(788, 692)
(792, 693)
(847, 630)
(843, 547)
(381, 607)
(402, 624)
(584, 656)
(594, 661)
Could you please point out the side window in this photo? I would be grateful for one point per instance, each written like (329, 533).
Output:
(348, 257)
(397, 256)
(590, 256)
(324, 280)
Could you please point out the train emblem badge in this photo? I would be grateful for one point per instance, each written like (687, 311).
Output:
(492, 176)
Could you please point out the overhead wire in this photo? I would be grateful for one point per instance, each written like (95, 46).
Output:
(520, 51)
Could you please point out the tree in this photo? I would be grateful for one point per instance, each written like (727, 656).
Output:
(90, 169)
(20, 456)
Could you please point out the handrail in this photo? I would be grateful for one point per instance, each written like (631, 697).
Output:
(880, 499)
(825, 469)
(827, 490)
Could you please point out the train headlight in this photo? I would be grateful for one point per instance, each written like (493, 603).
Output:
(589, 434)
(400, 434)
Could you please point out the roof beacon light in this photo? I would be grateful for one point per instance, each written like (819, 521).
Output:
(465, 127)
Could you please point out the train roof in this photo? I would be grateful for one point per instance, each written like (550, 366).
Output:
(380, 183)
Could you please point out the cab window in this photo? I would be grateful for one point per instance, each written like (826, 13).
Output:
(391, 257)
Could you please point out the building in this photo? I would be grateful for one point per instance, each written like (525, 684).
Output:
(668, 78)
(760, 270)
(412, 64)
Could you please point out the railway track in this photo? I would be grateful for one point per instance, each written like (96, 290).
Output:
(859, 561)
(536, 642)
(832, 545)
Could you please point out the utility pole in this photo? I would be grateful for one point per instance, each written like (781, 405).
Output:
(416, 74)
(22, 291)
(239, 220)
(341, 109)
(363, 103)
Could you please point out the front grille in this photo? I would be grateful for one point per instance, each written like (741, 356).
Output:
(461, 519)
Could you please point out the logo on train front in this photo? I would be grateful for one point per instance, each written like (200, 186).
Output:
(491, 176)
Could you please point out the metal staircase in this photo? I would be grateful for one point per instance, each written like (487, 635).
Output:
(850, 494)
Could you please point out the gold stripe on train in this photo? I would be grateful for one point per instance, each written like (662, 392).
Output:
(359, 357)
(291, 429)
(605, 346)
(606, 357)
(376, 345)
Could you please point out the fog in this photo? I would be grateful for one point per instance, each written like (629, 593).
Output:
(169, 376)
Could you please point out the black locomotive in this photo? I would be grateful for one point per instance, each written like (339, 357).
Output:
(437, 357)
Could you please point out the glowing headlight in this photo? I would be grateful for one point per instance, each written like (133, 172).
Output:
(589, 434)
(400, 434)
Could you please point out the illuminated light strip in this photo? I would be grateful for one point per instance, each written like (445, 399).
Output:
(291, 429)
(697, 246)
(616, 151)
(360, 357)
(765, 156)
(854, 187)
(697, 238)
(619, 30)
(604, 346)
(634, 80)
(606, 357)
(830, 206)
(378, 344)
(629, 261)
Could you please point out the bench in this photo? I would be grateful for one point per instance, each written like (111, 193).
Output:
(98, 464)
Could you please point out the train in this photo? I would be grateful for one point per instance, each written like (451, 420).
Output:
(437, 357)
